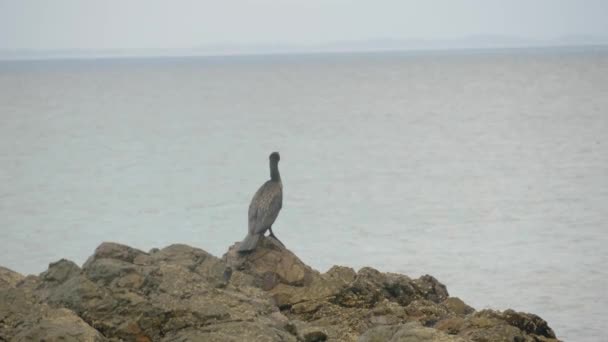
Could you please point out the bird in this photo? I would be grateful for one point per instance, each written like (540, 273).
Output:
(264, 207)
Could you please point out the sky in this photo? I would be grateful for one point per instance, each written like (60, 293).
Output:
(175, 24)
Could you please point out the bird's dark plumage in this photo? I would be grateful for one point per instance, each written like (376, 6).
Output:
(265, 206)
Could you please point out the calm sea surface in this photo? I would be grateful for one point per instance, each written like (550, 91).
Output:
(486, 170)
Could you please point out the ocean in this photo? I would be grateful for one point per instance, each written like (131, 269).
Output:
(485, 169)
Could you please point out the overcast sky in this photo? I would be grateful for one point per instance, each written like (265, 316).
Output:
(106, 24)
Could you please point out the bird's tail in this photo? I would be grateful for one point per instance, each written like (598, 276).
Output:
(249, 244)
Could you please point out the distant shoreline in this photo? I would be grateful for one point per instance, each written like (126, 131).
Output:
(28, 56)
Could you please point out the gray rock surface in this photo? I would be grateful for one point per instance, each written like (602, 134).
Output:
(182, 293)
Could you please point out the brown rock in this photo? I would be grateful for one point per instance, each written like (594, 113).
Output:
(451, 325)
(530, 323)
(130, 295)
(271, 264)
(457, 306)
(431, 289)
(22, 318)
(410, 332)
(9, 278)
(490, 325)
(111, 250)
(229, 332)
(426, 312)
(60, 271)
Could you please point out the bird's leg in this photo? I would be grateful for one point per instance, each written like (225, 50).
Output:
(271, 234)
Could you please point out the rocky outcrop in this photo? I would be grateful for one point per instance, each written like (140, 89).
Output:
(182, 293)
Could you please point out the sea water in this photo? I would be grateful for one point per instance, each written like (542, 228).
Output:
(487, 170)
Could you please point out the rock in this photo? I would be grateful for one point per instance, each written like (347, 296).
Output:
(182, 293)
(380, 334)
(8, 278)
(305, 332)
(490, 325)
(60, 271)
(451, 325)
(530, 323)
(457, 306)
(107, 272)
(388, 313)
(115, 251)
(426, 312)
(494, 333)
(60, 325)
(431, 289)
(343, 274)
(322, 288)
(271, 265)
(230, 332)
(22, 318)
(410, 332)
(130, 295)
(313, 335)
(371, 286)
(509, 325)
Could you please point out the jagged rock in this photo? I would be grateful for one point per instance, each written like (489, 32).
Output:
(182, 293)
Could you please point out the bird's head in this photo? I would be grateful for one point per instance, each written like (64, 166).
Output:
(274, 156)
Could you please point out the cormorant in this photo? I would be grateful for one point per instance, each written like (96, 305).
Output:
(265, 206)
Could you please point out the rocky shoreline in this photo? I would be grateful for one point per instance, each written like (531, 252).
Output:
(182, 293)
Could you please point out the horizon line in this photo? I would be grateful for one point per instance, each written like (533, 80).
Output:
(71, 54)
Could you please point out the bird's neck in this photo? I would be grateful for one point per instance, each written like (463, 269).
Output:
(274, 172)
